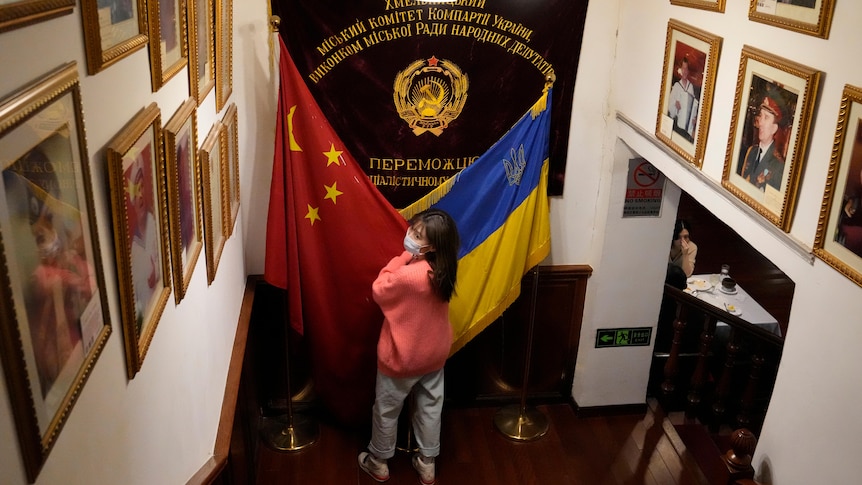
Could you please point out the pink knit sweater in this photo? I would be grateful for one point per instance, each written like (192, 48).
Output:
(416, 336)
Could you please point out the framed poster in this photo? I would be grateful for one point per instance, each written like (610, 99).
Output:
(139, 208)
(769, 133)
(113, 29)
(168, 49)
(54, 318)
(812, 17)
(213, 178)
(15, 14)
(839, 229)
(688, 81)
(231, 143)
(184, 199)
(714, 5)
(223, 51)
(201, 68)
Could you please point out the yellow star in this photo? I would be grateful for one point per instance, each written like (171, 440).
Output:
(332, 155)
(312, 214)
(332, 192)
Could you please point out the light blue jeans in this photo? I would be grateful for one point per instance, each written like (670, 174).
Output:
(428, 399)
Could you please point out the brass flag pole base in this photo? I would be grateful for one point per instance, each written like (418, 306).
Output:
(289, 432)
(522, 424)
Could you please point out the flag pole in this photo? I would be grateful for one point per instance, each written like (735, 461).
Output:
(520, 422)
(288, 432)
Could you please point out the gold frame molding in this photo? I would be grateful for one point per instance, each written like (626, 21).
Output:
(54, 315)
(845, 162)
(140, 142)
(213, 170)
(160, 73)
(200, 83)
(230, 120)
(713, 5)
(701, 49)
(762, 74)
(184, 194)
(223, 52)
(814, 21)
(100, 57)
(26, 12)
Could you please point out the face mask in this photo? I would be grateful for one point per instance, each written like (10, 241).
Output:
(412, 246)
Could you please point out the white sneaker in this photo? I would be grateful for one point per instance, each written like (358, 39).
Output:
(373, 466)
(424, 465)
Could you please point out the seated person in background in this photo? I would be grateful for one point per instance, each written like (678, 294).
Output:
(682, 250)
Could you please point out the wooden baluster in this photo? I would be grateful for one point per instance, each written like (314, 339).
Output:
(671, 367)
(699, 377)
(719, 407)
(743, 418)
(738, 457)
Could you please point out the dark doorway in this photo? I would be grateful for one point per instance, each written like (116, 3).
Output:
(719, 244)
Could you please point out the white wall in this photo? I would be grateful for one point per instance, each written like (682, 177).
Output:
(159, 427)
(813, 405)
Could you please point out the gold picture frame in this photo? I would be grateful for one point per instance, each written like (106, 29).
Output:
(113, 30)
(688, 82)
(713, 5)
(812, 17)
(201, 58)
(139, 210)
(168, 47)
(14, 15)
(839, 229)
(213, 176)
(223, 52)
(184, 194)
(231, 142)
(54, 316)
(769, 131)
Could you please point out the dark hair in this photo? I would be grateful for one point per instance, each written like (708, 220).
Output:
(442, 233)
(679, 226)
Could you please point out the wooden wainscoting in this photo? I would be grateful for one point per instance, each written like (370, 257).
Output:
(491, 366)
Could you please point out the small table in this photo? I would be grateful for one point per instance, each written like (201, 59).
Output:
(751, 311)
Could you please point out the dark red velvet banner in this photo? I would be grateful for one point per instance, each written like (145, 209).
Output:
(417, 91)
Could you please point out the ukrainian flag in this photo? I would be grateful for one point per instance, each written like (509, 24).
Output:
(500, 205)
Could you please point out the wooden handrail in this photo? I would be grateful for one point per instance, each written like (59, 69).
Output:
(748, 345)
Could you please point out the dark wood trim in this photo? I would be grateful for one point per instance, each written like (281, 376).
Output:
(614, 410)
(211, 469)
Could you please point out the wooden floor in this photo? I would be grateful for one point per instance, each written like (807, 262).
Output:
(617, 450)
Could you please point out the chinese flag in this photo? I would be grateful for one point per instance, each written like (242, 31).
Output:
(329, 232)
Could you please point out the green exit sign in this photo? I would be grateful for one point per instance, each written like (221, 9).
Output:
(623, 337)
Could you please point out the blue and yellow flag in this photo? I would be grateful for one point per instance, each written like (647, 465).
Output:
(500, 205)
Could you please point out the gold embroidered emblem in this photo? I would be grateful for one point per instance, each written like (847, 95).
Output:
(429, 94)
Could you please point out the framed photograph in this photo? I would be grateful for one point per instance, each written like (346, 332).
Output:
(769, 132)
(812, 17)
(15, 14)
(213, 176)
(223, 51)
(113, 29)
(714, 5)
(231, 143)
(839, 229)
(184, 200)
(168, 49)
(688, 81)
(139, 208)
(201, 60)
(54, 318)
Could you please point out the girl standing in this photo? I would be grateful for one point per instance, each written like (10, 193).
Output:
(413, 290)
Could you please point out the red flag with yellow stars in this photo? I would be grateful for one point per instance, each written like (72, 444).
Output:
(329, 232)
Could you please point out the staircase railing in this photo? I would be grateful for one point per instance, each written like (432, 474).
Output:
(729, 377)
